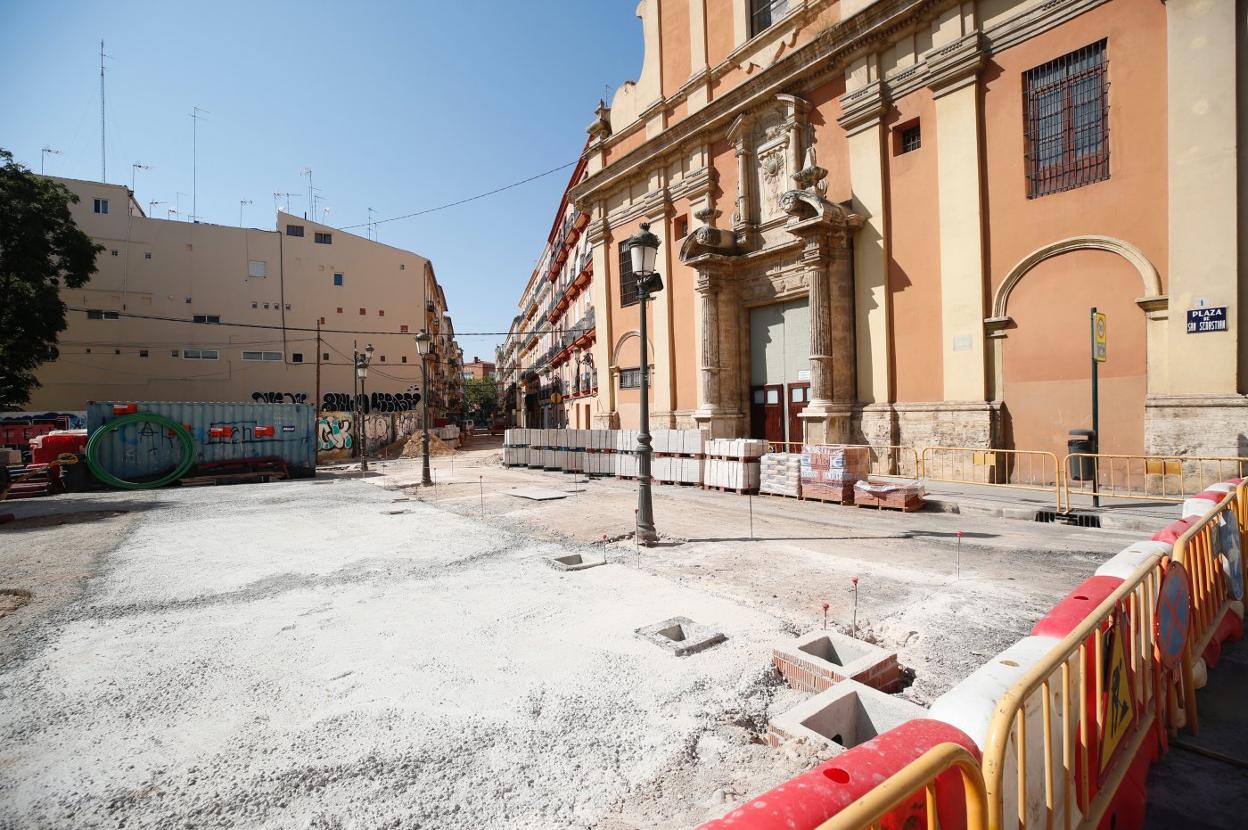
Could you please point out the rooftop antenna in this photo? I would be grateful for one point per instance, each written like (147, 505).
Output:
(325, 216)
(307, 171)
(178, 202)
(135, 168)
(103, 154)
(242, 203)
(171, 213)
(196, 114)
(371, 227)
(47, 151)
(151, 207)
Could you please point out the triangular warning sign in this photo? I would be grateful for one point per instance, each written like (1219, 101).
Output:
(1118, 709)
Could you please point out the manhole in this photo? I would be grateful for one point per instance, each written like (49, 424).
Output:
(848, 714)
(681, 636)
(822, 658)
(12, 599)
(574, 562)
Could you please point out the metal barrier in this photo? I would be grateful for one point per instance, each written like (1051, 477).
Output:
(887, 460)
(1015, 469)
(1070, 758)
(1147, 477)
(1199, 550)
(919, 774)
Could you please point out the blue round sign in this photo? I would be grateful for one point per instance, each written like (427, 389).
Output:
(1173, 615)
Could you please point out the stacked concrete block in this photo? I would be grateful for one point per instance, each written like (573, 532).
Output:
(780, 474)
(625, 464)
(740, 448)
(625, 440)
(730, 474)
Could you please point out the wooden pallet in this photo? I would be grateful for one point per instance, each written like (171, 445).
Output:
(740, 491)
(847, 499)
(911, 505)
(762, 492)
(679, 483)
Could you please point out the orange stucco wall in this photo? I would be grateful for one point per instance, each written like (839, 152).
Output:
(684, 300)
(1046, 362)
(674, 33)
(831, 144)
(1131, 203)
(914, 252)
(719, 32)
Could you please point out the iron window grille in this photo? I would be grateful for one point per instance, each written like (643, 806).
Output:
(763, 13)
(630, 378)
(1067, 121)
(911, 139)
(628, 283)
(294, 230)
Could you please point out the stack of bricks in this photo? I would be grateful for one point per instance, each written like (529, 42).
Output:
(829, 473)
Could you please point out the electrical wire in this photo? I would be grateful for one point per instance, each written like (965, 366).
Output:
(376, 222)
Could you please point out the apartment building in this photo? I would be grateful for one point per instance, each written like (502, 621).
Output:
(199, 312)
(887, 221)
(546, 365)
(478, 369)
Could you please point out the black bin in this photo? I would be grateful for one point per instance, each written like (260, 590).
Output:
(1082, 441)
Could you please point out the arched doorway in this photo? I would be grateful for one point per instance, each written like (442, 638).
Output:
(1044, 371)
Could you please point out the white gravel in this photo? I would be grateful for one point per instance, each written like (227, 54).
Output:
(294, 655)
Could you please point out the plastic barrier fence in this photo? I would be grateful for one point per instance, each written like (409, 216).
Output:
(1098, 691)
(1211, 550)
(919, 775)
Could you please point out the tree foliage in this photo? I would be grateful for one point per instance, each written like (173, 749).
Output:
(42, 250)
(480, 399)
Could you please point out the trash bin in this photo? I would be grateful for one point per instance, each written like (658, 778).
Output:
(1082, 441)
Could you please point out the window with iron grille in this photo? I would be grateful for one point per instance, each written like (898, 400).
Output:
(630, 378)
(294, 230)
(765, 12)
(911, 139)
(1067, 121)
(323, 238)
(628, 283)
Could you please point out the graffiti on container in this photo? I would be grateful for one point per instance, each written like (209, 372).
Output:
(280, 397)
(333, 431)
(375, 402)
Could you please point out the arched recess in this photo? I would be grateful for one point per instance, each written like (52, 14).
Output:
(1148, 274)
(626, 354)
(1050, 334)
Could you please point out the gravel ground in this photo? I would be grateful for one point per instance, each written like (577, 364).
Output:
(320, 654)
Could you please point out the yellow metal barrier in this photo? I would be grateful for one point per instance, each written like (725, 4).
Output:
(919, 774)
(1200, 550)
(1065, 792)
(887, 460)
(1147, 477)
(1016, 469)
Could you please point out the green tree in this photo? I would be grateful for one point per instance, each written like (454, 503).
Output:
(481, 399)
(42, 250)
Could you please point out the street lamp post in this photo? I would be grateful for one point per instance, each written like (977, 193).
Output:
(424, 342)
(361, 372)
(643, 249)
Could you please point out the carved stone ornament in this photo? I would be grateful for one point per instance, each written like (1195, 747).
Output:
(600, 127)
(708, 215)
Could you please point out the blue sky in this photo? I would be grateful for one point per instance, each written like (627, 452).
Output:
(397, 106)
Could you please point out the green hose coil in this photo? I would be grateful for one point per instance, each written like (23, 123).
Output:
(179, 431)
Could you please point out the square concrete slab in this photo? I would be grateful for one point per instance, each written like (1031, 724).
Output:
(681, 635)
(820, 659)
(537, 493)
(574, 562)
(846, 715)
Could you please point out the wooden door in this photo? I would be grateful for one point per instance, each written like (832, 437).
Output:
(798, 397)
(767, 412)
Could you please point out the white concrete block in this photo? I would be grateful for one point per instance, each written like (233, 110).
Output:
(1128, 560)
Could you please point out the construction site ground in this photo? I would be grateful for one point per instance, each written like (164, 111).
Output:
(356, 650)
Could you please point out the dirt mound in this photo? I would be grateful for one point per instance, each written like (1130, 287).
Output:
(412, 449)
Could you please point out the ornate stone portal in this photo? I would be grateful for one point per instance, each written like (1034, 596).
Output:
(783, 244)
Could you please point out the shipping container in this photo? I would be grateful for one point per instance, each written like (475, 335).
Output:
(221, 432)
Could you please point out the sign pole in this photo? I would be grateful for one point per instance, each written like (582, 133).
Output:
(1098, 354)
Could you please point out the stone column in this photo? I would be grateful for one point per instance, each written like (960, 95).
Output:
(708, 360)
(821, 385)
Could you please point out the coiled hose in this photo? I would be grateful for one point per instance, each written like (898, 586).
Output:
(180, 432)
